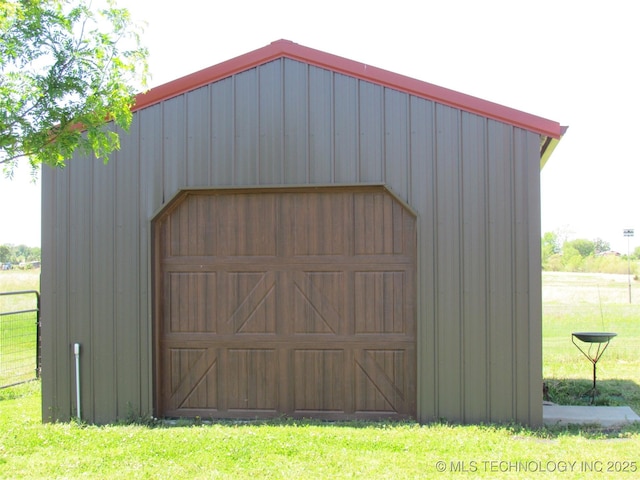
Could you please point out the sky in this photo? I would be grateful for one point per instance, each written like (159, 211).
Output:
(571, 61)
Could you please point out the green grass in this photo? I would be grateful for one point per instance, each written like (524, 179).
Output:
(289, 449)
(310, 449)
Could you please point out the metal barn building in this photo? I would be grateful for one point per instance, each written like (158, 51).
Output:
(294, 233)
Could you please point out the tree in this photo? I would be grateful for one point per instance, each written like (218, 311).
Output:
(582, 246)
(19, 253)
(550, 243)
(601, 246)
(66, 69)
(5, 254)
(571, 258)
(549, 246)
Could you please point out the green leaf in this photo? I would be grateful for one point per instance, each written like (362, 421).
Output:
(64, 68)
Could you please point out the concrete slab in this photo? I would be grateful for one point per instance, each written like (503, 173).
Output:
(603, 416)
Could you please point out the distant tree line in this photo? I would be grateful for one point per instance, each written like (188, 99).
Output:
(581, 255)
(19, 254)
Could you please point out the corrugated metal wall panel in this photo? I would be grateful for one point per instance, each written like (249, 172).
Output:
(345, 118)
(371, 138)
(396, 142)
(533, 330)
(56, 364)
(198, 127)
(501, 271)
(128, 279)
(80, 266)
(423, 181)
(521, 185)
(321, 137)
(529, 323)
(246, 129)
(449, 333)
(174, 141)
(271, 118)
(475, 271)
(286, 122)
(296, 123)
(102, 299)
(222, 132)
(151, 197)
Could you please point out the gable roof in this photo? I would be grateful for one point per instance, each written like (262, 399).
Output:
(550, 131)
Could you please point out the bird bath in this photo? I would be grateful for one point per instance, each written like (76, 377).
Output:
(599, 341)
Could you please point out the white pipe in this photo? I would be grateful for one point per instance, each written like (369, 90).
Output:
(76, 352)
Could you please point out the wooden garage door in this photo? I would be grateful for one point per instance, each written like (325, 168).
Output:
(295, 302)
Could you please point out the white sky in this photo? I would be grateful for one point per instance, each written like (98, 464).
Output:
(572, 61)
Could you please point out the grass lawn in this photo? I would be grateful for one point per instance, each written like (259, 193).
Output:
(308, 449)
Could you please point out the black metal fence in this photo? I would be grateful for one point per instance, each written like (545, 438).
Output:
(19, 337)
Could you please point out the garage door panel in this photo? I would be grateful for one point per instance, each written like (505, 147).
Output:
(296, 303)
(381, 302)
(319, 383)
(246, 225)
(319, 302)
(252, 301)
(252, 379)
(186, 315)
(382, 226)
(381, 383)
(194, 378)
(333, 212)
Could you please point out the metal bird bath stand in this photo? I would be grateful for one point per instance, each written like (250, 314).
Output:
(599, 339)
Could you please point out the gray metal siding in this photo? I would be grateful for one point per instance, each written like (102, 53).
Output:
(296, 124)
(474, 276)
(474, 183)
(371, 137)
(198, 126)
(423, 182)
(396, 142)
(500, 205)
(102, 293)
(448, 264)
(271, 124)
(345, 118)
(321, 137)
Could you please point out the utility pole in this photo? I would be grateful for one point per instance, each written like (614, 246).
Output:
(628, 232)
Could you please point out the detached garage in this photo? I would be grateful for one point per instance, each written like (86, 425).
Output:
(294, 233)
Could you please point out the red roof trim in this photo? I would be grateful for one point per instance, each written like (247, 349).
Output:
(288, 49)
